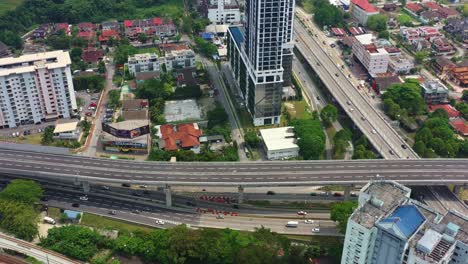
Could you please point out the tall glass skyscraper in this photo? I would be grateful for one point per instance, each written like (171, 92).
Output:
(260, 55)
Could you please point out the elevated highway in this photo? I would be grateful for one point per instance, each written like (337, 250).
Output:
(382, 136)
(77, 168)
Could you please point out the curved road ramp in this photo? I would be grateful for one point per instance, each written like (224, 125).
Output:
(32, 250)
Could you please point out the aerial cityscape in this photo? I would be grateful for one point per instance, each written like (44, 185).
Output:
(234, 131)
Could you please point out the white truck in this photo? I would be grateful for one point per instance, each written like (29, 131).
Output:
(49, 220)
(292, 224)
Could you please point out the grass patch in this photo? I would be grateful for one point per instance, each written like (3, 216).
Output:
(322, 240)
(171, 8)
(34, 139)
(244, 118)
(8, 5)
(102, 222)
(54, 212)
(149, 50)
(298, 109)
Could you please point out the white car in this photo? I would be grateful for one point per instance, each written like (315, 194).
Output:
(160, 222)
(373, 131)
(84, 198)
(302, 213)
(309, 221)
(316, 230)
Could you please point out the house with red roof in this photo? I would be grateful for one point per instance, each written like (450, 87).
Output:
(441, 45)
(356, 31)
(92, 55)
(151, 27)
(451, 111)
(414, 9)
(460, 126)
(106, 35)
(431, 5)
(361, 10)
(339, 32)
(63, 26)
(181, 136)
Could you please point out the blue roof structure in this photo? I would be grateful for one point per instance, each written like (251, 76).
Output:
(71, 214)
(237, 34)
(404, 221)
(207, 35)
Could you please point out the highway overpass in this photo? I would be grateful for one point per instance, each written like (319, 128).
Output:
(382, 136)
(82, 169)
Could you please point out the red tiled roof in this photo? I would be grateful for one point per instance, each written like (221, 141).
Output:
(157, 21)
(338, 31)
(431, 5)
(128, 23)
(106, 34)
(392, 49)
(92, 54)
(62, 26)
(452, 112)
(85, 34)
(356, 31)
(413, 7)
(460, 126)
(365, 5)
(85, 25)
(185, 134)
(446, 12)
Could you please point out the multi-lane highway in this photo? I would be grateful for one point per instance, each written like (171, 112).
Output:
(413, 172)
(384, 138)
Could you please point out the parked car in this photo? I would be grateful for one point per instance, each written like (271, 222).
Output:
(160, 222)
(75, 205)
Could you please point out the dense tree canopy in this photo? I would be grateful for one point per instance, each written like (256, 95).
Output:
(94, 83)
(329, 114)
(406, 96)
(340, 213)
(251, 139)
(377, 22)
(24, 191)
(311, 138)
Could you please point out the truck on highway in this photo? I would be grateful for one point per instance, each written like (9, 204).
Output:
(292, 224)
(49, 220)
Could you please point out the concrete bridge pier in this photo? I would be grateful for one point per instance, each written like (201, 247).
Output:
(240, 198)
(86, 187)
(347, 192)
(167, 190)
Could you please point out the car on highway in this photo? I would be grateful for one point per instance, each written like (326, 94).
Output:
(336, 74)
(324, 42)
(84, 198)
(403, 146)
(332, 45)
(136, 211)
(391, 152)
(316, 230)
(363, 118)
(160, 222)
(75, 205)
(105, 187)
(220, 216)
(318, 98)
(309, 221)
(351, 109)
(301, 213)
(270, 193)
(337, 194)
(191, 203)
(137, 194)
(143, 186)
(373, 131)
(126, 185)
(112, 212)
(348, 102)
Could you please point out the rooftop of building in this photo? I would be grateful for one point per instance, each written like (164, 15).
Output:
(129, 124)
(279, 138)
(181, 135)
(403, 222)
(451, 111)
(378, 200)
(135, 114)
(134, 104)
(65, 125)
(365, 5)
(30, 62)
(142, 56)
(460, 125)
(434, 86)
(414, 7)
(141, 139)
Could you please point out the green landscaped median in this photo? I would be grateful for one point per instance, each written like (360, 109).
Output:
(102, 222)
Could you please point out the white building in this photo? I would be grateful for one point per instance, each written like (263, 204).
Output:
(35, 88)
(374, 59)
(224, 12)
(147, 62)
(280, 143)
(67, 129)
(401, 64)
(361, 10)
(389, 227)
(180, 59)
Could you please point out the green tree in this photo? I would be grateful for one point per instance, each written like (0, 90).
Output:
(156, 88)
(101, 67)
(407, 96)
(75, 54)
(25, 191)
(142, 37)
(251, 139)
(94, 83)
(206, 48)
(384, 34)
(328, 15)
(48, 136)
(465, 10)
(465, 96)
(340, 212)
(18, 218)
(421, 56)
(73, 241)
(114, 99)
(329, 114)
(311, 138)
(377, 22)
(440, 113)
(420, 148)
(217, 116)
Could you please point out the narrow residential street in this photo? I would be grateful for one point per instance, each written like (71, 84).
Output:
(91, 145)
(223, 97)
